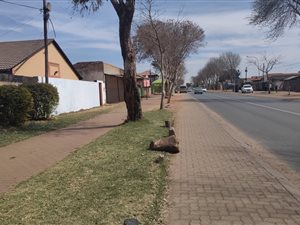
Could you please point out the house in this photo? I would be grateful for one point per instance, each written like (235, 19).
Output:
(150, 75)
(144, 81)
(277, 80)
(24, 61)
(111, 75)
(292, 83)
(257, 83)
(21, 60)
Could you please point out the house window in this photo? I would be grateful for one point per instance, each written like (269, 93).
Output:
(54, 70)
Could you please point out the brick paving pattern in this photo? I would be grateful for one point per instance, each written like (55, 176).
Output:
(215, 181)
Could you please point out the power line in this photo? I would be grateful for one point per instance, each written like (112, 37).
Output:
(13, 3)
(24, 23)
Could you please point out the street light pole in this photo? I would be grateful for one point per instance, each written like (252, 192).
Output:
(246, 70)
(46, 10)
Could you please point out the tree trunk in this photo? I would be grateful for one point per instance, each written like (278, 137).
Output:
(131, 95)
(162, 92)
(170, 92)
(269, 84)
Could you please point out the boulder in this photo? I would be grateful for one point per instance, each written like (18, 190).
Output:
(166, 144)
(172, 131)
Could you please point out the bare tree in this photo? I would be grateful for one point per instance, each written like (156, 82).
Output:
(176, 74)
(265, 65)
(152, 33)
(167, 44)
(186, 39)
(219, 69)
(276, 15)
(210, 73)
(231, 61)
(125, 10)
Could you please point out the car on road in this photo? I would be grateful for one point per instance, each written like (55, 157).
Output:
(183, 89)
(198, 91)
(247, 88)
(204, 89)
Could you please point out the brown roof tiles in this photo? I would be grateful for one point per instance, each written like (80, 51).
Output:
(14, 52)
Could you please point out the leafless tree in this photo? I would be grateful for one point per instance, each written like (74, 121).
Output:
(231, 61)
(219, 69)
(125, 10)
(265, 65)
(210, 73)
(167, 44)
(276, 15)
(151, 34)
(175, 77)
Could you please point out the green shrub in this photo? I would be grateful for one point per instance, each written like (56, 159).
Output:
(15, 104)
(45, 99)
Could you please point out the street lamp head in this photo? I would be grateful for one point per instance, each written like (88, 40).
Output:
(48, 7)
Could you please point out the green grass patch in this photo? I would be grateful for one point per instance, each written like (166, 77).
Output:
(33, 128)
(105, 182)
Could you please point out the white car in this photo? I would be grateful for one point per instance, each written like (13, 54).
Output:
(247, 88)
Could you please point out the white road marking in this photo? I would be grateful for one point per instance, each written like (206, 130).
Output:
(260, 105)
(276, 109)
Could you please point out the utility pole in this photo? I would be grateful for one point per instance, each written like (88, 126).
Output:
(46, 10)
(246, 70)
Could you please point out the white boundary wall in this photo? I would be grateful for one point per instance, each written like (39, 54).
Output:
(75, 95)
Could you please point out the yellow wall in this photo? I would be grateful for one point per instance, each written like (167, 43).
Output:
(110, 69)
(34, 66)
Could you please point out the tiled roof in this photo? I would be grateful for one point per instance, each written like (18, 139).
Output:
(147, 73)
(282, 76)
(14, 52)
(83, 65)
(256, 78)
(292, 78)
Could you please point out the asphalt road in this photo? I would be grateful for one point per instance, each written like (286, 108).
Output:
(273, 122)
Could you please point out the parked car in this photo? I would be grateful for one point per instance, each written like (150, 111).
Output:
(183, 89)
(247, 88)
(204, 89)
(198, 91)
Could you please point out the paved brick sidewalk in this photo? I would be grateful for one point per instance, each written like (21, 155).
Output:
(27, 158)
(215, 180)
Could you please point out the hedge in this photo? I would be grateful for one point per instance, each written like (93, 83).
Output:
(45, 99)
(15, 104)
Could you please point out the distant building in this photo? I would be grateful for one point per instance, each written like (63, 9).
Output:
(277, 80)
(145, 80)
(292, 84)
(111, 75)
(149, 74)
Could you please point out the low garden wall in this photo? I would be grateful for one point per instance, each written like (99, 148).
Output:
(75, 95)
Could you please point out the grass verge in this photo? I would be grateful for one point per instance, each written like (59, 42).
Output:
(107, 181)
(33, 128)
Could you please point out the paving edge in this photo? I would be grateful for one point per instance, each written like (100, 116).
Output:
(276, 167)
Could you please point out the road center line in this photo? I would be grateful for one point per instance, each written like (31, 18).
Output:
(276, 109)
(263, 106)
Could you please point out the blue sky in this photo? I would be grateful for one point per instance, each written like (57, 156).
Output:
(95, 36)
